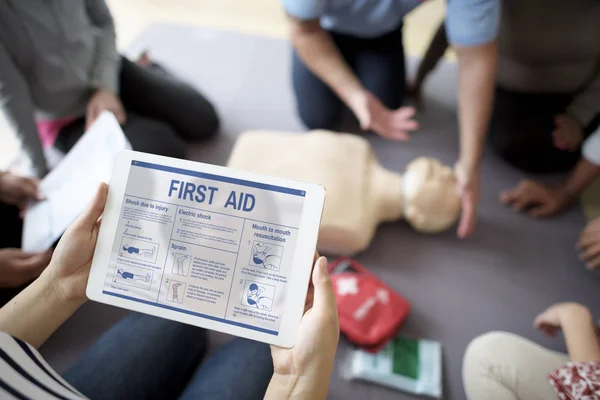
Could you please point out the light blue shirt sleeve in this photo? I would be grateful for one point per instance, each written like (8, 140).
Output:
(472, 22)
(305, 9)
(591, 148)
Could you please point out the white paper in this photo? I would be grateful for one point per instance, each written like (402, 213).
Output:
(72, 184)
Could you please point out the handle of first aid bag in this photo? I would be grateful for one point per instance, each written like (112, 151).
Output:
(336, 266)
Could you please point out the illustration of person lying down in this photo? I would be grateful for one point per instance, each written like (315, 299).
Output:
(254, 297)
(261, 256)
(148, 253)
(135, 277)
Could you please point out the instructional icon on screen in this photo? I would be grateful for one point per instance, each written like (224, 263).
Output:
(266, 255)
(258, 295)
(138, 250)
(181, 264)
(133, 276)
(175, 291)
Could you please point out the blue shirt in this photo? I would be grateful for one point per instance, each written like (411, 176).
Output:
(468, 22)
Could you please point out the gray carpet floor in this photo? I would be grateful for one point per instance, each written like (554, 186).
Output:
(499, 279)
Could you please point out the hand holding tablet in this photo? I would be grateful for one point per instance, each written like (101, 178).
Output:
(206, 245)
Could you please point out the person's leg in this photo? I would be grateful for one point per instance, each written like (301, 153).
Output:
(504, 366)
(161, 97)
(145, 134)
(240, 370)
(10, 237)
(142, 357)
(379, 63)
(521, 131)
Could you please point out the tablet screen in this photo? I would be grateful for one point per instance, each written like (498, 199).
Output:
(206, 245)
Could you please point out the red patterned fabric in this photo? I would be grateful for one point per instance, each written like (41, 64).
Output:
(577, 381)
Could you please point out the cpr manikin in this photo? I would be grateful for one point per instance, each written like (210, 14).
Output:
(360, 193)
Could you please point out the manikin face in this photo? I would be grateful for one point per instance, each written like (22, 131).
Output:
(431, 202)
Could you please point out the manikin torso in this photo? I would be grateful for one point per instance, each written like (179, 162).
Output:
(360, 193)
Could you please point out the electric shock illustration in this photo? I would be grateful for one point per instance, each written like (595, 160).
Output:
(259, 296)
(266, 255)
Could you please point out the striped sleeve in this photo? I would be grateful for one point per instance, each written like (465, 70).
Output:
(24, 374)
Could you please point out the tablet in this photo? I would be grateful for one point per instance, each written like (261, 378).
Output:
(223, 249)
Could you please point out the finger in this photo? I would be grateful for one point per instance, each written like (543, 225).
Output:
(29, 188)
(507, 197)
(90, 116)
(405, 112)
(121, 116)
(587, 239)
(521, 203)
(14, 253)
(324, 298)
(88, 219)
(594, 264)
(541, 211)
(590, 252)
(467, 217)
(558, 139)
(35, 263)
(390, 133)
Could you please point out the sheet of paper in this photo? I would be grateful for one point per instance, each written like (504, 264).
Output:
(73, 182)
(205, 245)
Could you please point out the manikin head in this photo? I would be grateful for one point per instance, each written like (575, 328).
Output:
(431, 201)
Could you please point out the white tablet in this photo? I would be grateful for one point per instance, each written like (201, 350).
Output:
(220, 248)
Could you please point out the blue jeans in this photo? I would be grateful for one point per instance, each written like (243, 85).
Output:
(145, 357)
(378, 63)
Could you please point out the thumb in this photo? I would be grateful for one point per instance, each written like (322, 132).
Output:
(88, 218)
(324, 298)
(365, 120)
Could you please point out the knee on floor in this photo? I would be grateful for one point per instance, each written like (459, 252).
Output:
(159, 138)
(319, 118)
(485, 350)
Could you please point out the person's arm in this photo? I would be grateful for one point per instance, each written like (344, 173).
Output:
(107, 62)
(317, 50)
(476, 85)
(580, 333)
(303, 372)
(35, 313)
(17, 106)
(471, 28)
(577, 326)
(586, 105)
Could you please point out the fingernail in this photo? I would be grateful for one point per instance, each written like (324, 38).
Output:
(323, 263)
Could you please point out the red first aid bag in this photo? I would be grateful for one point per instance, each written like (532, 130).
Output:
(370, 312)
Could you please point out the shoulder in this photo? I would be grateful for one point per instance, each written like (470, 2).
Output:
(305, 9)
(472, 22)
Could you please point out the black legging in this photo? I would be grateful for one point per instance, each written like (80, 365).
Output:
(162, 113)
(11, 228)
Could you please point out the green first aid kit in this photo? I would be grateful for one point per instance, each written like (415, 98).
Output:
(410, 365)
